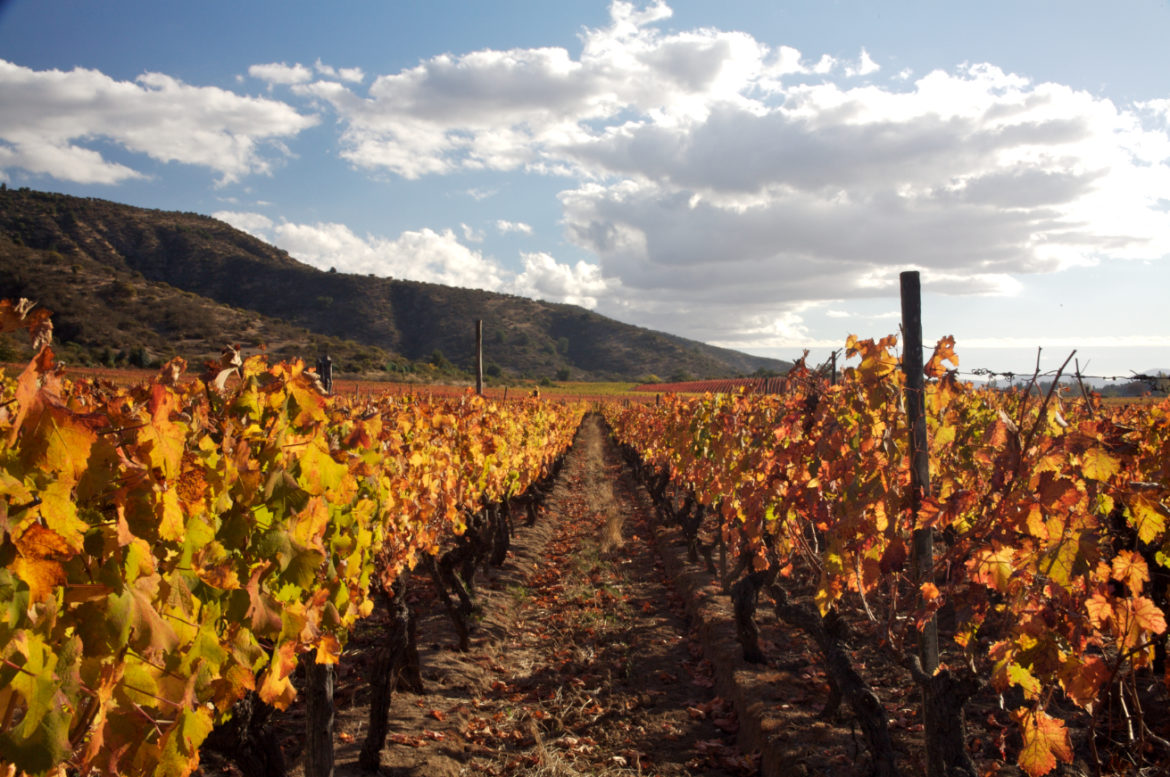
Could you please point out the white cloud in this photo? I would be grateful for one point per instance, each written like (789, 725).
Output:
(546, 278)
(722, 182)
(1159, 108)
(49, 114)
(432, 256)
(421, 255)
(481, 194)
(713, 169)
(470, 234)
(1113, 341)
(62, 160)
(351, 74)
(973, 177)
(255, 224)
(865, 66)
(513, 226)
(281, 73)
(519, 108)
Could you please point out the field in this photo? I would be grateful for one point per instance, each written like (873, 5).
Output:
(585, 391)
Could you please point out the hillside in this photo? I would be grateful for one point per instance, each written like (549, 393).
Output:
(140, 285)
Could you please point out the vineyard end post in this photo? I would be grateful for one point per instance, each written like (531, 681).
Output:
(325, 372)
(919, 452)
(923, 540)
(479, 356)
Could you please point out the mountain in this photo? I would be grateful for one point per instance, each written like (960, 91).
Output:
(140, 285)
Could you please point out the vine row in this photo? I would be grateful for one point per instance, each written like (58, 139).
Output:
(171, 549)
(1049, 516)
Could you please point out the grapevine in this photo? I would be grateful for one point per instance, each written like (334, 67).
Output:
(1050, 518)
(169, 547)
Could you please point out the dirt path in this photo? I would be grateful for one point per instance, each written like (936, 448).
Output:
(580, 661)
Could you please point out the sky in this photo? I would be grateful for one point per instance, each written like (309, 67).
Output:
(750, 174)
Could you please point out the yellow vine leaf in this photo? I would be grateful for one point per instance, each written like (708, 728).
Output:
(328, 650)
(277, 689)
(1045, 741)
(1147, 518)
(944, 351)
(1097, 464)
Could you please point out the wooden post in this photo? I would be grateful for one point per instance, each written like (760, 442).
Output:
(919, 487)
(919, 452)
(325, 372)
(318, 718)
(479, 356)
(834, 377)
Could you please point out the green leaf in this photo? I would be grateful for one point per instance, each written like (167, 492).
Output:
(14, 601)
(180, 745)
(41, 739)
(133, 611)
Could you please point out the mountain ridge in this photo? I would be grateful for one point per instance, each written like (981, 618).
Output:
(128, 281)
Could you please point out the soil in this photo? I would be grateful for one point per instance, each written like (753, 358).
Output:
(598, 649)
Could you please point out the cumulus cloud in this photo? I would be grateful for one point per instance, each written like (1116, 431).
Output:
(50, 114)
(352, 74)
(1157, 107)
(723, 183)
(546, 278)
(513, 226)
(255, 224)
(432, 256)
(865, 66)
(281, 73)
(973, 177)
(714, 169)
(470, 234)
(521, 108)
(421, 255)
(1111, 341)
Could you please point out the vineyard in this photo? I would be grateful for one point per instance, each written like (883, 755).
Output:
(1050, 581)
(173, 547)
(725, 386)
(186, 556)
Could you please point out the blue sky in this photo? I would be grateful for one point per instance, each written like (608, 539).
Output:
(751, 174)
